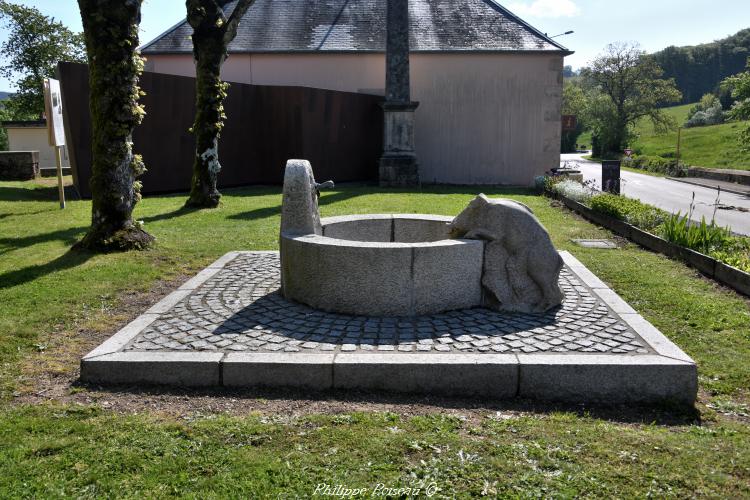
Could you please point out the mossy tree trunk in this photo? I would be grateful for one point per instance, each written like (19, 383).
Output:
(212, 33)
(111, 34)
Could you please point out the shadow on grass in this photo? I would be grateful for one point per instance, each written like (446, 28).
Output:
(494, 190)
(258, 213)
(36, 193)
(22, 214)
(265, 212)
(68, 236)
(349, 191)
(70, 259)
(171, 215)
(331, 402)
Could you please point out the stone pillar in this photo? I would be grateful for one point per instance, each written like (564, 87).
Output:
(299, 202)
(398, 165)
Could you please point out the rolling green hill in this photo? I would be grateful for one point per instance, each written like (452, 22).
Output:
(714, 146)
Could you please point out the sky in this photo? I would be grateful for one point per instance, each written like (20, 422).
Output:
(654, 24)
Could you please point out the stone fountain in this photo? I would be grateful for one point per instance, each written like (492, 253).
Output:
(466, 306)
(495, 254)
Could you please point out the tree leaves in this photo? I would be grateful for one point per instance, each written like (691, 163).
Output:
(739, 85)
(36, 43)
(629, 85)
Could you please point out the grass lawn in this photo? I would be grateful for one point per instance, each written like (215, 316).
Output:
(58, 438)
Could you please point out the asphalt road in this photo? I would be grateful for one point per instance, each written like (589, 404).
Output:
(673, 196)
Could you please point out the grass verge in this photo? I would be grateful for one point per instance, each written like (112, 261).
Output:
(714, 146)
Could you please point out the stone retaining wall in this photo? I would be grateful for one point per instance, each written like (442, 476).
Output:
(19, 165)
(736, 176)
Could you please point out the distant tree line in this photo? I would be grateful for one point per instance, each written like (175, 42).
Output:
(568, 71)
(700, 69)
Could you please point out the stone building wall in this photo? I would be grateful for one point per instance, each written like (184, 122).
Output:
(35, 138)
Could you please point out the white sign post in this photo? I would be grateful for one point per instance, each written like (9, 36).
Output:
(56, 130)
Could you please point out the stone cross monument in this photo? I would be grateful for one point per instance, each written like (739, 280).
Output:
(398, 165)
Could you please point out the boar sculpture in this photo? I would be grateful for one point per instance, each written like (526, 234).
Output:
(521, 266)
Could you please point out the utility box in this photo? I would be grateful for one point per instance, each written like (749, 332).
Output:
(611, 176)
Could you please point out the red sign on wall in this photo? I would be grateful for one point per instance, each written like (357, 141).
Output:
(569, 123)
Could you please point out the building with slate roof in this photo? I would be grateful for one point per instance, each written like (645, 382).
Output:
(489, 85)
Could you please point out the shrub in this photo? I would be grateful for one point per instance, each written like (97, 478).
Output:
(629, 210)
(658, 164)
(547, 182)
(573, 190)
(708, 111)
(711, 116)
(735, 252)
(707, 101)
(706, 238)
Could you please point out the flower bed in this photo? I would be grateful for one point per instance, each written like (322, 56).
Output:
(712, 250)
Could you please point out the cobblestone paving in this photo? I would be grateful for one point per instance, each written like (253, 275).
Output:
(240, 309)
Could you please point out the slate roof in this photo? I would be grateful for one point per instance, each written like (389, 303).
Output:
(359, 26)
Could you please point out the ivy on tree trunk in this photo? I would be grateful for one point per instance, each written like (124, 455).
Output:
(212, 33)
(111, 34)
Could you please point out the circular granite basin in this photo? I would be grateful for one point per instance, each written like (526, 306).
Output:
(382, 265)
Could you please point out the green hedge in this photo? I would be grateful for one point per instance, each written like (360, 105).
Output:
(658, 164)
(629, 210)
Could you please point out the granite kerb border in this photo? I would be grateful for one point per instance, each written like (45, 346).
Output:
(724, 187)
(642, 327)
(741, 177)
(661, 344)
(487, 375)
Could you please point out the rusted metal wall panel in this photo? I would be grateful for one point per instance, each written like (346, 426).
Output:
(339, 132)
